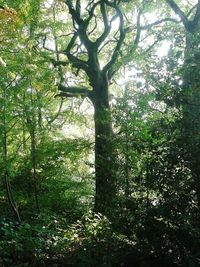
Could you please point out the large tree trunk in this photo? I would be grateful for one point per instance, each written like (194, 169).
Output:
(191, 108)
(191, 92)
(104, 159)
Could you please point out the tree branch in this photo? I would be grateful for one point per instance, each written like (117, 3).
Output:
(107, 27)
(57, 114)
(138, 33)
(73, 91)
(57, 63)
(196, 19)
(179, 12)
(191, 10)
(76, 62)
(91, 12)
(78, 7)
(74, 13)
(148, 26)
(122, 33)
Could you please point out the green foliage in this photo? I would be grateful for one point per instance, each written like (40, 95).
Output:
(93, 242)
(156, 212)
(88, 242)
(22, 245)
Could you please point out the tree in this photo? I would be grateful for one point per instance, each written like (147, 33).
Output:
(84, 52)
(9, 18)
(190, 93)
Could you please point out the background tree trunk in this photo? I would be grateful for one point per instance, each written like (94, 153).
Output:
(6, 181)
(191, 107)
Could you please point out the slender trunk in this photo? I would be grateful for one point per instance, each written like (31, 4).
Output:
(9, 193)
(33, 125)
(127, 167)
(34, 168)
(39, 115)
(31, 122)
(24, 127)
(104, 160)
(127, 159)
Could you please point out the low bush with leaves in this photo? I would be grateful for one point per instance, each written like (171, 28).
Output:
(88, 242)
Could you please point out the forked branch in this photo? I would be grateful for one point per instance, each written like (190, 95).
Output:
(190, 25)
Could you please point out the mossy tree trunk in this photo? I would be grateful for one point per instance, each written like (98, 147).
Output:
(104, 159)
(191, 107)
(190, 96)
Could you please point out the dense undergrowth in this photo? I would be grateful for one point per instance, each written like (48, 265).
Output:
(94, 241)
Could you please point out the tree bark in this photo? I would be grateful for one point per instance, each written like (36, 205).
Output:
(104, 159)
